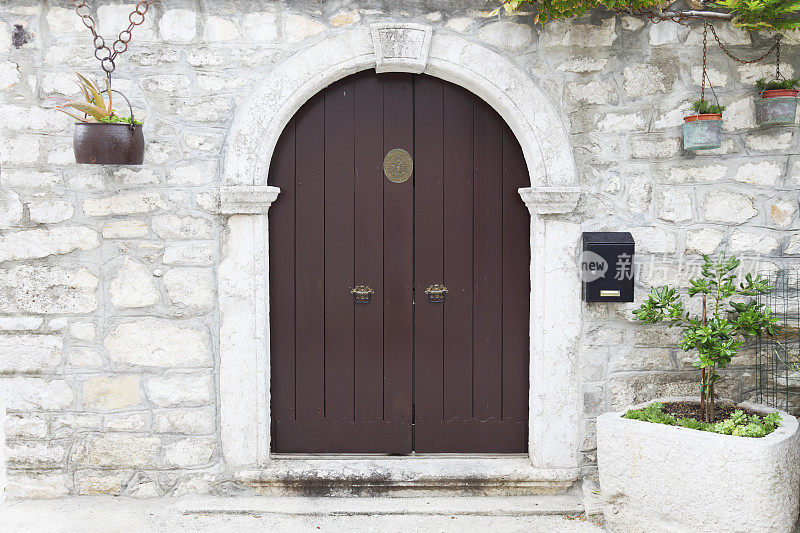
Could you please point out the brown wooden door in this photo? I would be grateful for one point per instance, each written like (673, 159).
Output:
(400, 374)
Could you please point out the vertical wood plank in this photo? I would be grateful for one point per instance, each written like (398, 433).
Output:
(428, 248)
(310, 260)
(339, 250)
(458, 251)
(398, 132)
(488, 263)
(281, 271)
(369, 245)
(516, 282)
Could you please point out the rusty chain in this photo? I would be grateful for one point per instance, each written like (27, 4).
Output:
(705, 61)
(775, 46)
(102, 52)
(682, 19)
(655, 18)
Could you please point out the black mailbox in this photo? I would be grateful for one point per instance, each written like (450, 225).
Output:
(607, 266)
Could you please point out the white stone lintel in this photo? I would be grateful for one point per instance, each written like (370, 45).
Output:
(550, 200)
(246, 199)
(401, 47)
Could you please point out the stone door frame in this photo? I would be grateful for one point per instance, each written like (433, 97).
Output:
(243, 278)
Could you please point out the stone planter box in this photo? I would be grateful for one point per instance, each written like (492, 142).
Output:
(658, 478)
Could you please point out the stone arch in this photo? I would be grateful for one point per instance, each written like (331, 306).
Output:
(555, 401)
(412, 48)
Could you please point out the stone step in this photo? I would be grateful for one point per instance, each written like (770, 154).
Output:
(569, 504)
(546, 513)
(414, 476)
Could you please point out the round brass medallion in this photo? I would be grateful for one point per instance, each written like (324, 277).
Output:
(398, 165)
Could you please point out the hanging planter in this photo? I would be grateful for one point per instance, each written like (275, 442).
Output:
(101, 137)
(703, 130)
(777, 102)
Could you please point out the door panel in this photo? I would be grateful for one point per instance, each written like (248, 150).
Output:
(458, 236)
(429, 252)
(461, 188)
(339, 267)
(398, 242)
(341, 379)
(399, 374)
(368, 193)
(310, 260)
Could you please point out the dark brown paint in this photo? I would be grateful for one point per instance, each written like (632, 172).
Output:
(108, 144)
(400, 374)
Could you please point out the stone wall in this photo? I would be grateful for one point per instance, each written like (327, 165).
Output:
(108, 315)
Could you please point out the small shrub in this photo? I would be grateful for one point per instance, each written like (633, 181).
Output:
(738, 424)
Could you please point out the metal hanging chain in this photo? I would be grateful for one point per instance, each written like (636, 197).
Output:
(778, 74)
(728, 53)
(102, 52)
(706, 77)
(705, 61)
(682, 18)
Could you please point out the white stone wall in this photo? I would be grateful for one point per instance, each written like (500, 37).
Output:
(108, 305)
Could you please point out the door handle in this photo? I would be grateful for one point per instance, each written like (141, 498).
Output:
(436, 293)
(362, 294)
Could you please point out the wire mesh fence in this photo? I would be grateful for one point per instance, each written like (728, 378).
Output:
(778, 357)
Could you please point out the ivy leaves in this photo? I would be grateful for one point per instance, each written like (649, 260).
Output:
(548, 10)
(767, 15)
(750, 15)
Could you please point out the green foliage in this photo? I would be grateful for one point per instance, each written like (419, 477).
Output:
(738, 424)
(717, 336)
(547, 10)
(652, 413)
(702, 107)
(114, 119)
(751, 15)
(767, 15)
(789, 85)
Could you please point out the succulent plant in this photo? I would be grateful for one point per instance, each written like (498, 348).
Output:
(94, 106)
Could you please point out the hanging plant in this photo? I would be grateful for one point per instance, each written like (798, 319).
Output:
(777, 98)
(703, 129)
(776, 102)
(101, 136)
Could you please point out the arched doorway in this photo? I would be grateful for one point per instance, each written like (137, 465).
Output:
(403, 373)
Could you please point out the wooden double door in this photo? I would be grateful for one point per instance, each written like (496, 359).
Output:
(401, 373)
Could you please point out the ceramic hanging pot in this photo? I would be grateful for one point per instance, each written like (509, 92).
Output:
(702, 132)
(101, 143)
(776, 106)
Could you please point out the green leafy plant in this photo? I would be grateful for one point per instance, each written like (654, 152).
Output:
(767, 15)
(702, 107)
(547, 10)
(94, 106)
(718, 333)
(738, 424)
(789, 85)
